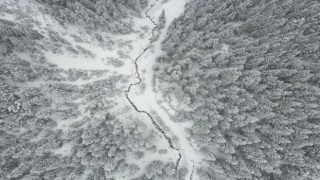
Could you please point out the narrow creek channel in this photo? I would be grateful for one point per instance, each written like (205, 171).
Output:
(156, 125)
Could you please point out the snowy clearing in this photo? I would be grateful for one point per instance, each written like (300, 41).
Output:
(148, 100)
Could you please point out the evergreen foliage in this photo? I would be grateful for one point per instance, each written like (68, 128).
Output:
(95, 14)
(255, 67)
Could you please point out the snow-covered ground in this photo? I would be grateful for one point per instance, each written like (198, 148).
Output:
(117, 46)
(124, 48)
(148, 100)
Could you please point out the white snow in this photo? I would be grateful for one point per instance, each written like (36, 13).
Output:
(131, 45)
(9, 17)
(79, 62)
(65, 150)
(148, 99)
(64, 124)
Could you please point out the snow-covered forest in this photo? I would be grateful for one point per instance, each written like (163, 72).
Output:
(159, 89)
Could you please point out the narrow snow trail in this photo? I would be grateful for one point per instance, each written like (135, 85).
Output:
(148, 99)
(154, 122)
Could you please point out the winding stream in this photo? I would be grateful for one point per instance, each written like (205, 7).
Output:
(156, 125)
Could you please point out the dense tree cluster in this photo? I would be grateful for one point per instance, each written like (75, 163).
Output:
(252, 67)
(34, 124)
(158, 170)
(51, 129)
(96, 14)
(57, 130)
(160, 25)
(17, 37)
